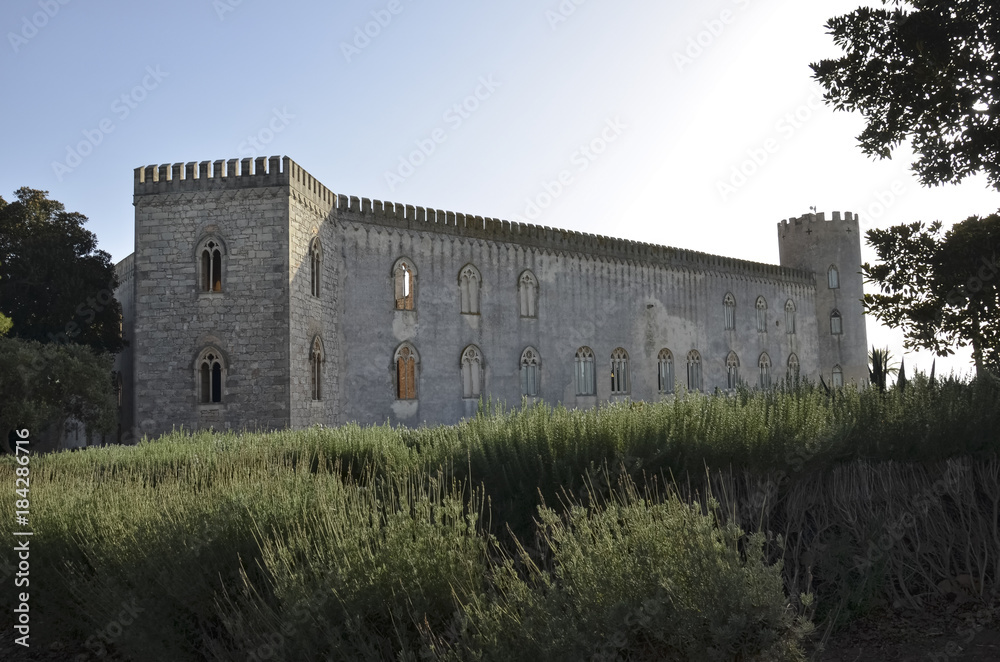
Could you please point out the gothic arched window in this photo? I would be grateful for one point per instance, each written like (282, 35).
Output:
(764, 364)
(836, 323)
(211, 376)
(469, 282)
(316, 360)
(793, 367)
(665, 371)
(729, 306)
(210, 255)
(833, 277)
(761, 315)
(315, 266)
(838, 376)
(584, 365)
(472, 372)
(406, 360)
(790, 317)
(619, 371)
(404, 283)
(732, 370)
(530, 364)
(527, 293)
(694, 370)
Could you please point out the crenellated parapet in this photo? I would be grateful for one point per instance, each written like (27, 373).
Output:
(282, 171)
(422, 219)
(811, 222)
(211, 175)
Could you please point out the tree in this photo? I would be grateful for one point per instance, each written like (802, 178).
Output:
(925, 70)
(5, 324)
(941, 291)
(54, 284)
(43, 384)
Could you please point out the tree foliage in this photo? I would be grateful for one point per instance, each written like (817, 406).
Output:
(44, 383)
(941, 291)
(54, 284)
(923, 70)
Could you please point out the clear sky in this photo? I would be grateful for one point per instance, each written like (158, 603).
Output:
(646, 111)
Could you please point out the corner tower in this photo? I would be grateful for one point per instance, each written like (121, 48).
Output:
(832, 251)
(211, 295)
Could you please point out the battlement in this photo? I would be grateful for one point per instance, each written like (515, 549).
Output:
(412, 217)
(808, 221)
(212, 175)
(282, 171)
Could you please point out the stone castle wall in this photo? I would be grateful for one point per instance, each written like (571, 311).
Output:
(599, 303)
(247, 321)
(594, 291)
(313, 317)
(811, 241)
(125, 361)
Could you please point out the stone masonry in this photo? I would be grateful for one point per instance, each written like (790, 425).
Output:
(286, 357)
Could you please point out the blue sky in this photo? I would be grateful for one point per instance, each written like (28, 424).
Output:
(629, 119)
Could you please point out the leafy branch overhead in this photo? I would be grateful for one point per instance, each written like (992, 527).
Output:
(923, 71)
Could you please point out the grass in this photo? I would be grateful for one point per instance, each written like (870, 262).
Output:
(614, 528)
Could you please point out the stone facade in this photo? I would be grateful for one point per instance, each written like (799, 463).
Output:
(259, 299)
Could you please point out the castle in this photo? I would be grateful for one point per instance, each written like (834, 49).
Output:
(258, 299)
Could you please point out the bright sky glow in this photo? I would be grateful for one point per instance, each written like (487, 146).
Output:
(630, 119)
